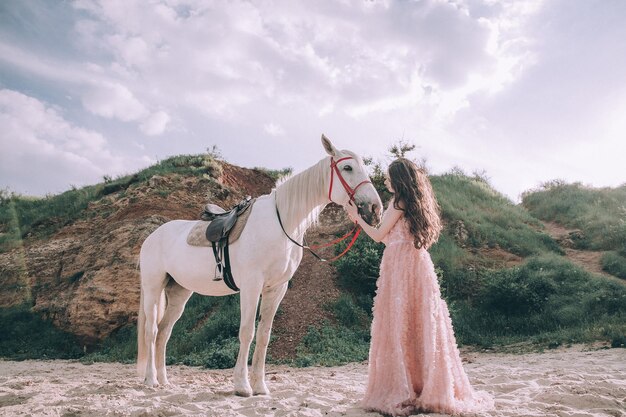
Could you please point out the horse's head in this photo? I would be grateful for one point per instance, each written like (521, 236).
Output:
(349, 181)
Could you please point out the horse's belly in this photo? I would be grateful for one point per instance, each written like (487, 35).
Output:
(194, 269)
(202, 283)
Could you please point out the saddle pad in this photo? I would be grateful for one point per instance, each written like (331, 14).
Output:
(197, 235)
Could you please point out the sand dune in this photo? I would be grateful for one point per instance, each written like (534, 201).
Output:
(571, 382)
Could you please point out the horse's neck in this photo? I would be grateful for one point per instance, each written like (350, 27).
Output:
(301, 198)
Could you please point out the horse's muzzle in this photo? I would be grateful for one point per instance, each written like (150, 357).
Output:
(369, 212)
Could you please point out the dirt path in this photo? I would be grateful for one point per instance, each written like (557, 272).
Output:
(589, 260)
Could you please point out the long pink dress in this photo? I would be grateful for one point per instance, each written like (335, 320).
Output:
(414, 362)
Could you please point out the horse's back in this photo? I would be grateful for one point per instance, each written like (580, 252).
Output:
(169, 230)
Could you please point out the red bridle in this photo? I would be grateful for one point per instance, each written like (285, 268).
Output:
(354, 232)
(335, 169)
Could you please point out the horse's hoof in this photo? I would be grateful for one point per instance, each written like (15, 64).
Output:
(243, 392)
(150, 383)
(263, 391)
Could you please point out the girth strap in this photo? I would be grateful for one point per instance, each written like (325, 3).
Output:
(224, 267)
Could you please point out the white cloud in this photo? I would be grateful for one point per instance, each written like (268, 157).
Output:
(101, 94)
(42, 124)
(132, 50)
(488, 84)
(216, 104)
(273, 129)
(42, 152)
(113, 101)
(360, 57)
(155, 124)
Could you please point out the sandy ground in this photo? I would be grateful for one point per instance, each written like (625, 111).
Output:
(569, 382)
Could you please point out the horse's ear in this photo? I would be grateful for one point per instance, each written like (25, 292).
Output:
(328, 145)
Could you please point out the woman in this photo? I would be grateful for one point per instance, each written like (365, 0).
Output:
(414, 362)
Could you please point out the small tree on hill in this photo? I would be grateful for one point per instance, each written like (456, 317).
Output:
(401, 148)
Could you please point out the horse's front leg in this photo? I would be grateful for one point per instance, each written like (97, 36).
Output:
(249, 302)
(270, 300)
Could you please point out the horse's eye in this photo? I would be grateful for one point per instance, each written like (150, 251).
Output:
(347, 168)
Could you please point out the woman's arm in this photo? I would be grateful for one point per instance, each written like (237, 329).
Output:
(390, 218)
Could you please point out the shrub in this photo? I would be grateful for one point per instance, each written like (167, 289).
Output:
(223, 355)
(614, 263)
(120, 346)
(516, 292)
(359, 268)
(547, 299)
(349, 313)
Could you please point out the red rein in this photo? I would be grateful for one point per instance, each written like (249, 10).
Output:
(351, 192)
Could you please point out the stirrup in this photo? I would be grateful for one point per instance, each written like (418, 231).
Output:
(219, 275)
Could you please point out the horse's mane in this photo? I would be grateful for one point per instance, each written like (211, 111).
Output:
(298, 197)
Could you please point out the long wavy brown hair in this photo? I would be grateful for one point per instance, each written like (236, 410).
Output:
(414, 194)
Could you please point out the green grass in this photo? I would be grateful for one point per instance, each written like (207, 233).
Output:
(275, 174)
(25, 335)
(346, 340)
(614, 263)
(331, 345)
(488, 217)
(600, 213)
(21, 216)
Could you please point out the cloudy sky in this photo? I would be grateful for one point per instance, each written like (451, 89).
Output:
(526, 90)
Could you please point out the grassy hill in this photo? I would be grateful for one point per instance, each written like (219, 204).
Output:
(599, 214)
(503, 277)
(539, 299)
(23, 217)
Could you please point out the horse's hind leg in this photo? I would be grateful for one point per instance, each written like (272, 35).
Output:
(176, 297)
(153, 303)
(270, 299)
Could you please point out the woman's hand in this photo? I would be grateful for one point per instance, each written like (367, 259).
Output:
(390, 217)
(352, 211)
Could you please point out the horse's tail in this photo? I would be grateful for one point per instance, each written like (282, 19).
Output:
(142, 356)
(142, 347)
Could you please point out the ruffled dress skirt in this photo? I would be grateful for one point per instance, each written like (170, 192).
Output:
(414, 362)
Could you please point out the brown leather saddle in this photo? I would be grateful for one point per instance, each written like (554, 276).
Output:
(223, 228)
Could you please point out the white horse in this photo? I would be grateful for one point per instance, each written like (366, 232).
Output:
(263, 260)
